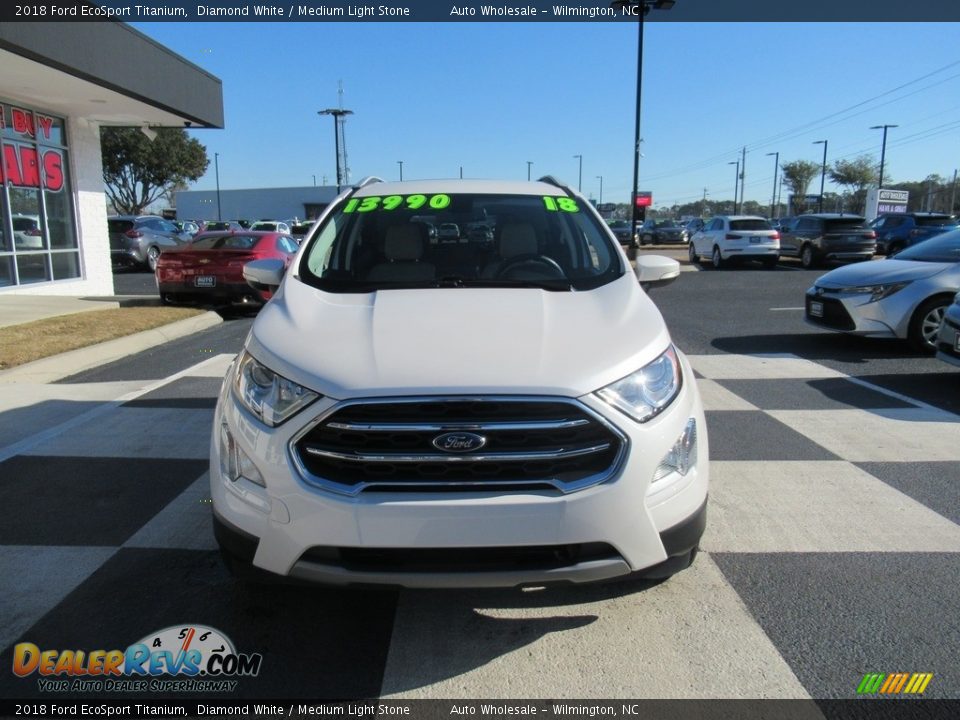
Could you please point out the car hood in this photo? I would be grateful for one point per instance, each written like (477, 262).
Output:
(879, 272)
(458, 340)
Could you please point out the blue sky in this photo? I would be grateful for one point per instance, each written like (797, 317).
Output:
(491, 96)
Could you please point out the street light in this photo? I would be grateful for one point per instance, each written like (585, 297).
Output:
(216, 168)
(529, 165)
(736, 184)
(639, 8)
(600, 201)
(883, 149)
(580, 174)
(823, 171)
(338, 115)
(400, 163)
(776, 166)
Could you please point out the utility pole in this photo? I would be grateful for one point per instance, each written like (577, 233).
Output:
(953, 193)
(529, 165)
(743, 175)
(736, 184)
(776, 167)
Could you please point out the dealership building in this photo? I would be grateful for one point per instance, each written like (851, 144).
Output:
(59, 84)
(301, 203)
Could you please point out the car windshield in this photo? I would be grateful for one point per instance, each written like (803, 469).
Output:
(937, 220)
(226, 242)
(119, 226)
(757, 224)
(377, 243)
(939, 249)
(845, 224)
(667, 225)
(218, 226)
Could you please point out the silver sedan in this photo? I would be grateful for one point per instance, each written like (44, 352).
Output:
(901, 297)
(948, 342)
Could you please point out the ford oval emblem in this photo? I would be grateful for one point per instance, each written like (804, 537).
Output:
(459, 442)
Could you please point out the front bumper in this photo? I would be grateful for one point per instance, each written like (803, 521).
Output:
(854, 313)
(948, 341)
(624, 526)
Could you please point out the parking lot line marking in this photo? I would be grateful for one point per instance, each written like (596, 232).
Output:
(26, 444)
(786, 308)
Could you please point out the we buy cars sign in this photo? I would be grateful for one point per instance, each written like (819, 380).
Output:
(23, 164)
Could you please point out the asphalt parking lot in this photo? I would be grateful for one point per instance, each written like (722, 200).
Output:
(831, 550)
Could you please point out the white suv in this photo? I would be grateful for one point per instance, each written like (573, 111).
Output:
(426, 414)
(736, 237)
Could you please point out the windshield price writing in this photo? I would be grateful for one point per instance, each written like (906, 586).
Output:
(392, 202)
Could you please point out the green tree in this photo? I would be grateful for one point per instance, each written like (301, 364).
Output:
(857, 175)
(138, 171)
(797, 175)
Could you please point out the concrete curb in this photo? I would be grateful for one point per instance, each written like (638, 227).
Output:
(60, 366)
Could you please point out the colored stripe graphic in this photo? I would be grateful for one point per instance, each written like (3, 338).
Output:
(918, 683)
(894, 683)
(870, 683)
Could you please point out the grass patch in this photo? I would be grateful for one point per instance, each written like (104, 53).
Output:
(30, 341)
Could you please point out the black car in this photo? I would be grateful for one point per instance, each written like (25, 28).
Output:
(896, 231)
(660, 232)
(828, 236)
(621, 228)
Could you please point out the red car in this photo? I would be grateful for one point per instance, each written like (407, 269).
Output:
(209, 270)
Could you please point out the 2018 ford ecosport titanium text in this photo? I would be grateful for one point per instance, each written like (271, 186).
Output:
(420, 412)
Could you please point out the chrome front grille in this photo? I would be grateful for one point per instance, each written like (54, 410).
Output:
(522, 444)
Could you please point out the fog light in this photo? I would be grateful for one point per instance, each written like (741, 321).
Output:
(234, 462)
(682, 456)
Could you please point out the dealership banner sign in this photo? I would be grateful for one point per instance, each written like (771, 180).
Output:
(24, 164)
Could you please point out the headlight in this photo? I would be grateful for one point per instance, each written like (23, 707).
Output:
(648, 391)
(268, 396)
(877, 292)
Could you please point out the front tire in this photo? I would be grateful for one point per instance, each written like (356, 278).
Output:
(807, 260)
(692, 254)
(716, 259)
(925, 325)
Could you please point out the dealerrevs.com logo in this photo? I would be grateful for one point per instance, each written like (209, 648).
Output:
(181, 658)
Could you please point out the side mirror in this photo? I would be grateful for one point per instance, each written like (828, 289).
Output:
(656, 271)
(264, 274)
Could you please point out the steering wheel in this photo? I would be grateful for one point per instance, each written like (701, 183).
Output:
(531, 259)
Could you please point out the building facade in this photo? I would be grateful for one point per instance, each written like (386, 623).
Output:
(59, 84)
(302, 203)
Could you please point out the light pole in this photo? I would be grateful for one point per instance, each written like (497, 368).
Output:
(883, 150)
(600, 201)
(338, 115)
(736, 184)
(529, 165)
(823, 172)
(639, 8)
(580, 173)
(314, 180)
(216, 168)
(400, 163)
(776, 167)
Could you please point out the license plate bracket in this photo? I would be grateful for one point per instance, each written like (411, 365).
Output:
(816, 309)
(205, 281)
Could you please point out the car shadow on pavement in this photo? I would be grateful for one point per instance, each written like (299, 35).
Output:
(818, 346)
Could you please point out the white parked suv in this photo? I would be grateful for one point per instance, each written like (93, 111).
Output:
(506, 413)
(736, 237)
